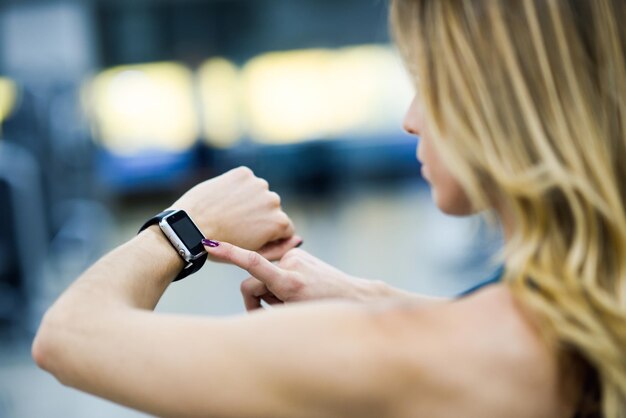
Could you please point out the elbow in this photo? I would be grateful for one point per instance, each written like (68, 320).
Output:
(42, 345)
(44, 348)
(37, 351)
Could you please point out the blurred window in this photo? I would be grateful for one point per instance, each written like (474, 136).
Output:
(276, 98)
(144, 107)
(315, 94)
(219, 83)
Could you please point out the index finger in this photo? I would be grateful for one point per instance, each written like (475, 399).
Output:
(252, 262)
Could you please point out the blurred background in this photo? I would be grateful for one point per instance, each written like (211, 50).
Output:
(110, 109)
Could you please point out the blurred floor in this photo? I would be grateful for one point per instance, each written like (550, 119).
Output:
(386, 231)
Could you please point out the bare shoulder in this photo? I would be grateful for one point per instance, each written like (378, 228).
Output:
(477, 357)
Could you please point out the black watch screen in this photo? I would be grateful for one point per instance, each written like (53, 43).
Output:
(188, 233)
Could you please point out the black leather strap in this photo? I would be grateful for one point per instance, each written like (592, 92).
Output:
(194, 265)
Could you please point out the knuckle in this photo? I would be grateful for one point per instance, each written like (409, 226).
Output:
(247, 286)
(254, 259)
(244, 171)
(288, 263)
(264, 184)
(283, 222)
(292, 259)
(292, 288)
(275, 199)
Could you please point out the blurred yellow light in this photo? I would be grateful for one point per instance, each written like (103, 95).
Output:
(313, 94)
(286, 95)
(220, 96)
(142, 107)
(8, 98)
(372, 87)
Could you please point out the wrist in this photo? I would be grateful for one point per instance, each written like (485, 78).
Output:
(158, 248)
(184, 236)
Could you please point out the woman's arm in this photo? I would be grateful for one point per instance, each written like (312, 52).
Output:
(313, 361)
(306, 360)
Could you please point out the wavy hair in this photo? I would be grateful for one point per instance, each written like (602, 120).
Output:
(526, 100)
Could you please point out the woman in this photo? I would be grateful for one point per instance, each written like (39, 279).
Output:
(521, 107)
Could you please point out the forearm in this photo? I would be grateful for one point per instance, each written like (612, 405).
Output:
(134, 275)
(131, 277)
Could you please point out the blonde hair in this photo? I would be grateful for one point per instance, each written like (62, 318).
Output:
(526, 100)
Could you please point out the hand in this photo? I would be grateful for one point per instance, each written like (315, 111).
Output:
(238, 207)
(298, 277)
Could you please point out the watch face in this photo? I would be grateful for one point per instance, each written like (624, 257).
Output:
(188, 233)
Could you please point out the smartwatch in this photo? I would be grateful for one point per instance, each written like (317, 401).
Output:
(184, 236)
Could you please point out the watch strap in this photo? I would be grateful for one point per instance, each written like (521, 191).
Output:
(155, 219)
(192, 266)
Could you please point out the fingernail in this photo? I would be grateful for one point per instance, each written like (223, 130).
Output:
(298, 245)
(210, 243)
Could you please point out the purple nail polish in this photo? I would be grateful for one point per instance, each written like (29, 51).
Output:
(210, 243)
(298, 245)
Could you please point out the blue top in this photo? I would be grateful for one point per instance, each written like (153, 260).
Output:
(495, 278)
